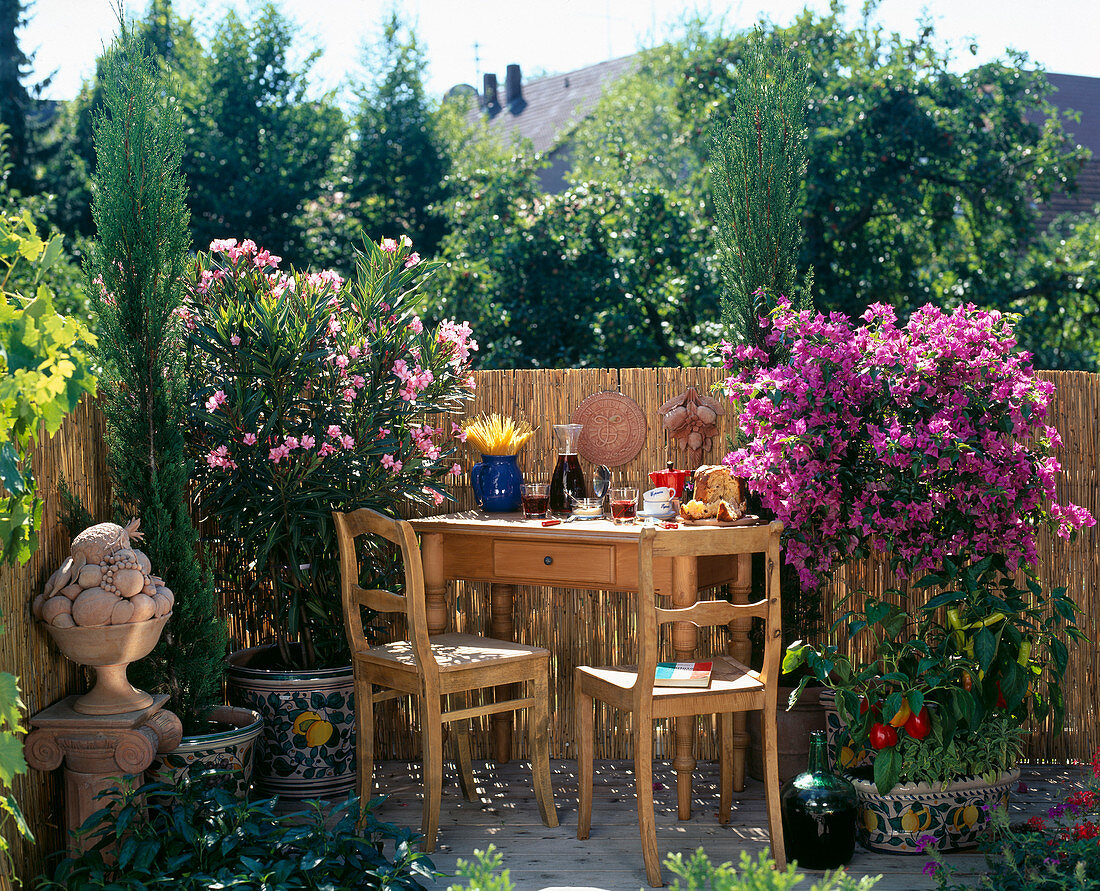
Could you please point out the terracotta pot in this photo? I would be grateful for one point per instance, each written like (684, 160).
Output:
(232, 751)
(794, 729)
(307, 748)
(109, 649)
(956, 815)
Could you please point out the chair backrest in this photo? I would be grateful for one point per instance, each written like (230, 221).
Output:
(706, 541)
(350, 526)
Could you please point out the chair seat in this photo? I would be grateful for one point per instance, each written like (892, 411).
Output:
(730, 681)
(455, 652)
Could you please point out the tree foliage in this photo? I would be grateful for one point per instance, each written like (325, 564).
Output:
(922, 184)
(597, 275)
(135, 274)
(257, 148)
(758, 164)
(17, 111)
(398, 164)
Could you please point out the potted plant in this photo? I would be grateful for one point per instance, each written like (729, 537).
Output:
(927, 443)
(311, 395)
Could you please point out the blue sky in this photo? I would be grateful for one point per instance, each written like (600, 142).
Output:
(545, 36)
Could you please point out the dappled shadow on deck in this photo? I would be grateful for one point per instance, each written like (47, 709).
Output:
(506, 815)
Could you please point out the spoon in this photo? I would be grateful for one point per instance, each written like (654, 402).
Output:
(601, 480)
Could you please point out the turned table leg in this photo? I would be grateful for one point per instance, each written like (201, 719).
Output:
(435, 582)
(685, 592)
(740, 648)
(502, 627)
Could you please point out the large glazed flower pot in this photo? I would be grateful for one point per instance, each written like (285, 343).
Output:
(956, 815)
(109, 649)
(793, 737)
(842, 755)
(230, 749)
(307, 749)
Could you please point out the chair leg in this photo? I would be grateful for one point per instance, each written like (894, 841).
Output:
(725, 767)
(584, 709)
(538, 728)
(431, 739)
(364, 742)
(770, 741)
(643, 779)
(461, 732)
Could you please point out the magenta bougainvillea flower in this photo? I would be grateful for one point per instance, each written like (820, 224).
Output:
(921, 441)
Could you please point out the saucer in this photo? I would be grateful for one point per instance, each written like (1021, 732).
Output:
(666, 514)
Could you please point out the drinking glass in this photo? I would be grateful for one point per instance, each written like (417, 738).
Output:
(624, 503)
(535, 498)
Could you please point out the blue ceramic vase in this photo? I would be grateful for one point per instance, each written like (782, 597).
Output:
(496, 480)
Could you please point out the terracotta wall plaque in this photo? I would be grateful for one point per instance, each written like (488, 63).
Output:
(614, 428)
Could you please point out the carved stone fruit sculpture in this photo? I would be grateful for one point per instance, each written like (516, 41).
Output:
(104, 569)
(104, 608)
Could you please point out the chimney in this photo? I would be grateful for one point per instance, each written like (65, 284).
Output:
(512, 81)
(489, 98)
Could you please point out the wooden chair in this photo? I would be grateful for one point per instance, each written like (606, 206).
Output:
(733, 687)
(433, 668)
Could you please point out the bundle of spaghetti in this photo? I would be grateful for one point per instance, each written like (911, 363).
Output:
(497, 435)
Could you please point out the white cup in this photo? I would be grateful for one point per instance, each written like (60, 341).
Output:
(658, 500)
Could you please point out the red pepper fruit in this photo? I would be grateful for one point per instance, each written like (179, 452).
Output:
(919, 725)
(968, 681)
(883, 736)
(1001, 703)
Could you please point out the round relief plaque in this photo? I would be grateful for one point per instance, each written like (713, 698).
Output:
(614, 428)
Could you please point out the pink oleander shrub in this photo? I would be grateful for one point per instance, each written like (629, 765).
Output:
(923, 441)
(310, 394)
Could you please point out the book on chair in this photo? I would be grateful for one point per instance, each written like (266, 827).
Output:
(683, 674)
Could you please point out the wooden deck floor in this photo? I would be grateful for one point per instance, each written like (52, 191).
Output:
(539, 858)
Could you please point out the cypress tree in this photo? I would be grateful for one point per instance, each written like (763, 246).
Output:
(758, 163)
(135, 275)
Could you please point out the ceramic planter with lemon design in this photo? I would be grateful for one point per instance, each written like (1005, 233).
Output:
(955, 815)
(308, 745)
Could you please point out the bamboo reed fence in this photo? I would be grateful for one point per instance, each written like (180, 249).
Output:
(578, 627)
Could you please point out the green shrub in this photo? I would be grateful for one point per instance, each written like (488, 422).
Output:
(197, 835)
(698, 873)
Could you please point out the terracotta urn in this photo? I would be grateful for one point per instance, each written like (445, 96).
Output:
(109, 650)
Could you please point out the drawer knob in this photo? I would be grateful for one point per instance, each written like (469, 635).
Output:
(547, 560)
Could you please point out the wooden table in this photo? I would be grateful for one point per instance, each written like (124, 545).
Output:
(507, 550)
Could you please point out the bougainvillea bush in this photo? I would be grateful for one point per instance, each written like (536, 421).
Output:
(311, 394)
(920, 441)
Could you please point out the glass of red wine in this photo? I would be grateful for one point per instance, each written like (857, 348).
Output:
(535, 498)
(624, 503)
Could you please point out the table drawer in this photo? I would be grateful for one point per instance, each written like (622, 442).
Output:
(554, 563)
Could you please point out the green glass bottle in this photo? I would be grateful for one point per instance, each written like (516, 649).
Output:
(819, 813)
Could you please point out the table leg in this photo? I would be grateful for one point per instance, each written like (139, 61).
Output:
(501, 601)
(740, 648)
(435, 582)
(685, 592)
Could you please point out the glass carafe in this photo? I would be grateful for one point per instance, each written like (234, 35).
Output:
(568, 480)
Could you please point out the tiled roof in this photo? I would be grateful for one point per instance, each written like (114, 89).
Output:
(550, 106)
(1081, 94)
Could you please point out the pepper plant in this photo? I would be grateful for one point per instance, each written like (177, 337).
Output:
(311, 395)
(977, 661)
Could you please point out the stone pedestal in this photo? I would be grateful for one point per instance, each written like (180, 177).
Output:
(98, 751)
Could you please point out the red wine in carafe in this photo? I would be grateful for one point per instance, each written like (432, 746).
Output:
(568, 480)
